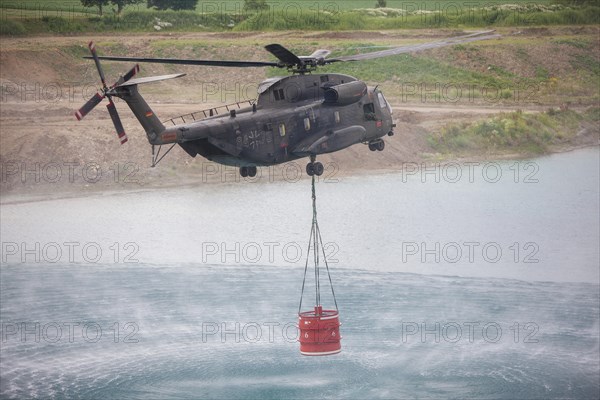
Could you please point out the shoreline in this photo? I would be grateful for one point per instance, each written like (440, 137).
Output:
(47, 192)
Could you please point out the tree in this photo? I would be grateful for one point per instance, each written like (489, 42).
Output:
(122, 3)
(255, 5)
(173, 4)
(95, 3)
(381, 4)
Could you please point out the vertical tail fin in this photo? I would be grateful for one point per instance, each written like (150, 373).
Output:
(142, 111)
(128, 91)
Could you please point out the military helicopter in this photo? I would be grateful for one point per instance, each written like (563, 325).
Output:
(295, 116)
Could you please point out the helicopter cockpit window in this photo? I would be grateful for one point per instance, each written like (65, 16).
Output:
(279, 95)
(282, 130)
(307, 124)
(369, 110)
(382, 102)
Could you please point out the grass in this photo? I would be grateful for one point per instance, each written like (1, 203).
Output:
(516, 131)
(51, 7)
(236, 6)
(362, 20)
(587, 63)
(410, 77)
(62, 25)
(413, 68)
(69, 16)
(578, 43)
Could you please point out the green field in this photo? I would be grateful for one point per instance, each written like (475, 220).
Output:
(232, 6)
(68, 16)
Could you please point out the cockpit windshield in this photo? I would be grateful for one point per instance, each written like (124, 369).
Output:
(383, 102)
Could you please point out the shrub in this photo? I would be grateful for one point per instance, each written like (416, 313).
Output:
(10, 27)
(61, 25)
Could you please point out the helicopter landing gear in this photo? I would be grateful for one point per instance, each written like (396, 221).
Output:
(314, 167)
(248, 172)
(377, 145)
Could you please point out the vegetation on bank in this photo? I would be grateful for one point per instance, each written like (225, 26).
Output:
(515, 132)
(29, 20)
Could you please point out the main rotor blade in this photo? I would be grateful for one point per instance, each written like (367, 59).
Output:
(114, 115)
(417, 47)
(283, 54)
(321, 53)
(92, 47)
(210, 63)
(88, 106)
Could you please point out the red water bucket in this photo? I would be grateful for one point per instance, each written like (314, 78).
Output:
(319, 332)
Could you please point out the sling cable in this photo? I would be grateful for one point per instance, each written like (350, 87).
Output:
(319, 328)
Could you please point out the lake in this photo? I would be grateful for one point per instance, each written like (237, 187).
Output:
(472, 280)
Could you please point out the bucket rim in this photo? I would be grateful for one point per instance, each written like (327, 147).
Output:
(325, 314)
(320, 353)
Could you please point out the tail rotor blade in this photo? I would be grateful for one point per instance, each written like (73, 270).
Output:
(89, 106)
(131, 73)
(112, 110)
(92, 47)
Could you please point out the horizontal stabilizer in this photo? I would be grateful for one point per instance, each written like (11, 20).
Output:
(150, 79)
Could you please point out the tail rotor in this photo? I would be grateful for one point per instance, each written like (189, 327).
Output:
(106, 92)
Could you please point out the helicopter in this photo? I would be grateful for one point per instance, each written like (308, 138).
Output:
(303, 114)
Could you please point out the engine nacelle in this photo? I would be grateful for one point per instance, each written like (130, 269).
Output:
(345, 94)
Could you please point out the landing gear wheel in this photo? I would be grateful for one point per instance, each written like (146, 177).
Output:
(310, 169)
(380, 145)
(244, 172)
(252, 172)
(372, 147)
(318, 168)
